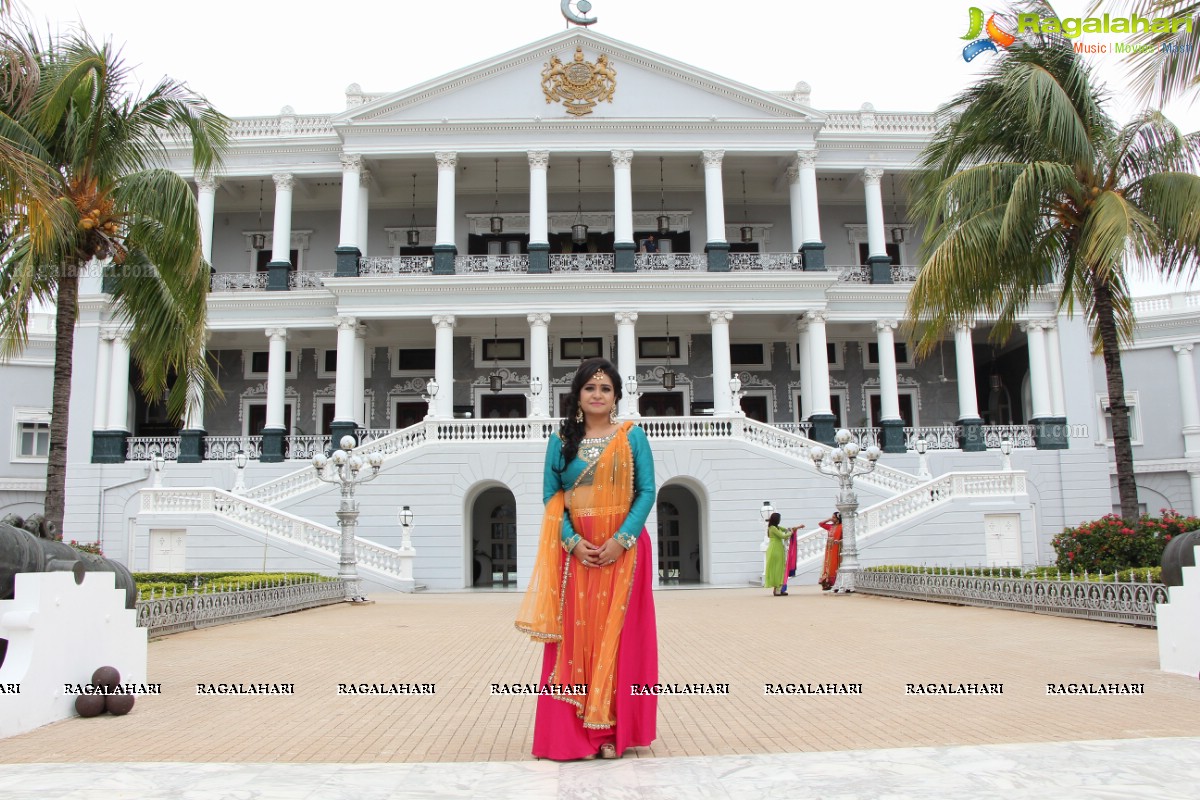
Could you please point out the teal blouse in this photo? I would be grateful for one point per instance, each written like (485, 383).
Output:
(643, 487)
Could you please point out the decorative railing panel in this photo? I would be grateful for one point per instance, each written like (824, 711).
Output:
(765, 261)
(269, 521)
(308, 280)
(147, 448)
(810, 545)
(1019, 435)
(304, 448)
(238, 282)
(865, 437)
(670, 262)
(798, 428)
(1128, 603)
(582, 262)
(395, 265)
(940, 490)
(852, 274)
(938, 437)
(298, 125)
(185, 612)
(225, 448)
(902, 274)
(502, 263)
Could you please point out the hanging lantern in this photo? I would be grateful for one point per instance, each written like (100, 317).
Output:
(414, 235)
(579, 231)
(898, 235)
(496, 380)
(747, 233)
(668, 381)
(259, 240)
(663, 221)
(747, 229)
(496, 223)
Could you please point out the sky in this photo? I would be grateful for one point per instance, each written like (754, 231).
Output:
(252, 57)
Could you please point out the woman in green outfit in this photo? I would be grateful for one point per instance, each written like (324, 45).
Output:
(776, 571)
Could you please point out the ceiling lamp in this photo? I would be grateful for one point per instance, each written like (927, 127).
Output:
(414, 235)
(497, 221)
(664, 222)
(495, 380)
(668, 381)
(897, 232)
(579, 231)
(747, 231)
(260, 239)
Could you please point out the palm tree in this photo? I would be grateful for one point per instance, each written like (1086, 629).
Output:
(1162, 74)
(83, 181)
(1031, 179)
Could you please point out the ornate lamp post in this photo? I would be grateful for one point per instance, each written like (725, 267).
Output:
(735, 395)
(922, 446)
(843, 464)
(1006, 449)
(431, 390)
(632, 396)
(406, 522)
(156, 466)
(535, 391)
(344, 468)
(239, 482)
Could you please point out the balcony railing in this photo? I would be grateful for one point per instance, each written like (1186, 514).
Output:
(670, 262)
(238, 282)
(582, 262)
(765, 261)
(396, 265)
(224, 448)
(862, 274)
(307, 280)
(467, 265)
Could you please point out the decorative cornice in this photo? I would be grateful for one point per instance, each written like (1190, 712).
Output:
(22, 484)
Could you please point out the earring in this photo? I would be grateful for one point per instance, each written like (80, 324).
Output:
(579, 415)
(612, 413)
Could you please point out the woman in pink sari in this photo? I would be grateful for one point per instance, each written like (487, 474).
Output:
(589, 597)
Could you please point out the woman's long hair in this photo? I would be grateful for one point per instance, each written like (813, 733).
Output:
(775, 519)
(571, 431)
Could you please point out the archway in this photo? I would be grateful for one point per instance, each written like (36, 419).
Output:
(680, 554)
(494, 539)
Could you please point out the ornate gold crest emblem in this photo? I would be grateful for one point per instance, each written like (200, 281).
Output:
(579, 85)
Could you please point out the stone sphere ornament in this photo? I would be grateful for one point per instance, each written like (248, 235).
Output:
(106, 678)
(89, 705)
(119, 704)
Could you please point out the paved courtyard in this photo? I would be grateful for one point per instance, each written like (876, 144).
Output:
(464, 642)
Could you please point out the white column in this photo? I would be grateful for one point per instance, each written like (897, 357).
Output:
(104, 356)
(819, 365)
(1058, 401)
(876, 243)
(343, 390)
(889, 392)
(447, 164)
(806, 162)
(1039, 385)
(1189, 404)
(964, 360)
(351, 170)
(622, 161)
(206, 205)
(276, 375)
(539, 361)
(796, 206)
(714, 202)
(118, 389)
(193, 419)
(360, 377)
(722, 365)
(627, 357)
(805, 358)
(443, 365)
(364, 209)
(281, 236)
(539, 161)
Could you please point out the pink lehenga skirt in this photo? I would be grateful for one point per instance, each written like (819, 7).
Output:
(558, 732)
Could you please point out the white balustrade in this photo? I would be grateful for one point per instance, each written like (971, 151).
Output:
(395, 265)
(308, 280)
(491, 263)
(238, 282)
(582, 262)
(670, 262)
(765, 261)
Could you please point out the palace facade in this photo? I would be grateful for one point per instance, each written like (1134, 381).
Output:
(425, 269)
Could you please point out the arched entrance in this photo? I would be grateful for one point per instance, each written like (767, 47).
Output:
(680, 557)
(494, 539)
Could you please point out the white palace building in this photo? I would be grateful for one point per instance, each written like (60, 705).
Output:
(743, 257)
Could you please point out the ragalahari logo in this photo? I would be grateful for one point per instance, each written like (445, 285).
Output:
(995, 35)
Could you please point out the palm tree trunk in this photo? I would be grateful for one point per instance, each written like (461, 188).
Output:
(64, 349)
(1122, 448)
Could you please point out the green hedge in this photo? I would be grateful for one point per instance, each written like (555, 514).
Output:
(184, 582)
(1109, 545)
(1138, 575)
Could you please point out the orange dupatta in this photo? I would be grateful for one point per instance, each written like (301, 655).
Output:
(587, 653)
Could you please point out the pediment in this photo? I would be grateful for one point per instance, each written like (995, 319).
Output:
(646, 85)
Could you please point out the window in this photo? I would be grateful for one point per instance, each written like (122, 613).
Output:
(503, 349)
(893, 251)
(580, 349)
(257, 362)
(327, 363)
(33, 436)
(901, 349)
(263, 258)
(750, 355)
(907, 401)
(833, 354)
(415, 361)
(1135, 418)
(658, 348)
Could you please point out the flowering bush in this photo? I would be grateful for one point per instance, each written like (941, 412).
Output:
(1109, 544)
(87, 547)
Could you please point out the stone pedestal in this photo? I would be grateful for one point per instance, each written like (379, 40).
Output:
(443, 259)
(881, 269)
(1050, 433)
(277, 275)
(822, 428)
(539, 258)
(108, 447)
(970, 435)
(814, 257)
(272, 446)
(891, 436)
(191, 447)
(347, 262)
(718, 256)
(624, 257)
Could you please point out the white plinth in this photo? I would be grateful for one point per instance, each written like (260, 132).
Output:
(59, 633)
(1179, 626)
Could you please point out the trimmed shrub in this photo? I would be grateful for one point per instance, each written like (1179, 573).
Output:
(1109, 545)
(87, 547)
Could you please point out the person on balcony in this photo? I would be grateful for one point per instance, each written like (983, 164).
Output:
(649, 245)
(833, 550)
(589, 597)
(775, 576)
